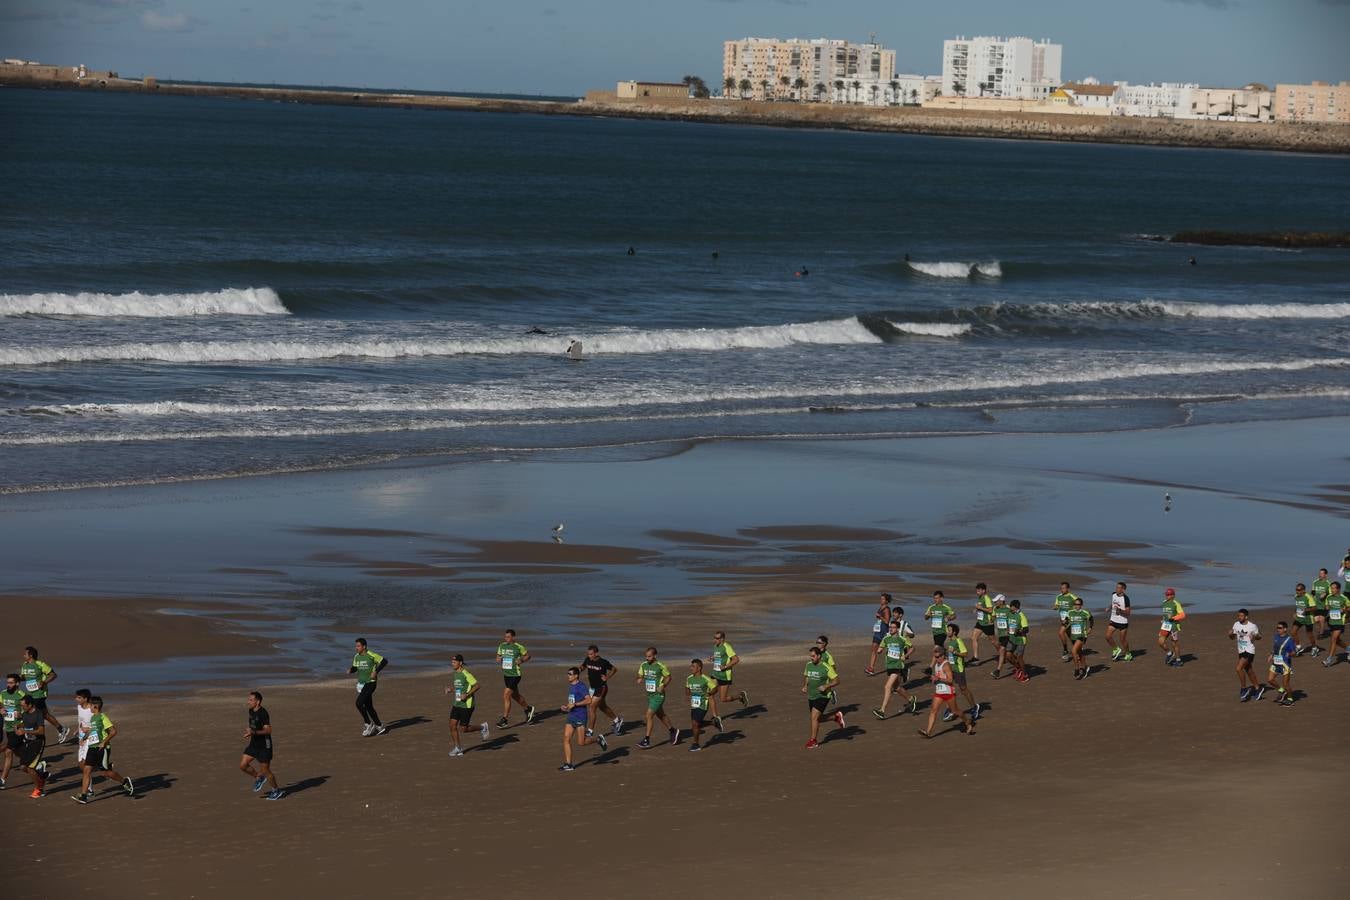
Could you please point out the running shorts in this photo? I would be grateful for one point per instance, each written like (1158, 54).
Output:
(1003, 640)
(819, 703)
(876, 637)
(696, 715)
(461, 714)
(1247, 656)
(655, 702)
(901, 672)
(600, 692)
(260, 748)
(99, 759)
(39, 703)
(1278, 668)
(1118, 626)
(723, 678)
(940, 638)
(30, 752)
(959, 679)
(512, 681)
(10, 741)
(987, 629)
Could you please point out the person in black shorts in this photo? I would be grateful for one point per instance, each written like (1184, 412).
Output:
(33, 734)
(259, 749)
(598, 673)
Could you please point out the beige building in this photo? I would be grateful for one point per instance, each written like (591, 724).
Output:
(1253, 103)
(640, 90)
(1316, 102)
(822, 69)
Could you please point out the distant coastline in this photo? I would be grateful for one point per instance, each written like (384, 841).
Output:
(1279, 136)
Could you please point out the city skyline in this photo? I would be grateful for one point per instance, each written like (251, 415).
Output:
(547, 47)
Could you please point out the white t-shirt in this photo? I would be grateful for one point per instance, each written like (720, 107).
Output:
(1246, 634)
(1120, 604)
(84, 714)
(905, 629)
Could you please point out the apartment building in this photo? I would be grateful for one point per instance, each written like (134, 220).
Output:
(1168, 100)
(1316, 102)
(823, 69)
(1252, 103)
(1015, 68)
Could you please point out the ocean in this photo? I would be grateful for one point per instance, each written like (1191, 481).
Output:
(205, 288)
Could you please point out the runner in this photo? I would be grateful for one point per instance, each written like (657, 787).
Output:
(896, 649)
(823, 645)
(883, 619)
(578, 698)
(723, 660)
(1063, 603)
(1281, 665)
(1079, 625)
(699, 688)
(36, 675)
(944, 695)
(654, 676)
(1169, 632)
(98, 758)
(984, 622)
(1320, 588)
(10, 699)
(259, 749)
(1018, 628)
(32, 730)
(898, 612)
(510, 655)
(956, 658)
(819, 679)
(83, 714)
(1303, 618)
(1336, 608)
(1002, 634)
(463, 686)
(939, 615)
(367, 666)
(1118, 625)
(1245, 632)
(598, 673)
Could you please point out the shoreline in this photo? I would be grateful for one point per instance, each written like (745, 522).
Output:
(1276, 137)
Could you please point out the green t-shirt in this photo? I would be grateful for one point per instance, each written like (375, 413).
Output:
(985, 613)
(700, 688)
(1336, 609)
(653, 676)
(1017, 622)
(99, 725)
(826, 658)
(722, 654)
(939, 616)
(510, 655)
(817, 674)
(366, 666)
(894, 646)
(9, 701)
(1064, 603)
(955, 648)
(1079, 622)
(1320, 589)
(1171, 609)
(1301, 604)
(1002, 620)
(463, 683)
(30, 678)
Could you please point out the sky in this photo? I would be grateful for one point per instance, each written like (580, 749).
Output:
(566, 47)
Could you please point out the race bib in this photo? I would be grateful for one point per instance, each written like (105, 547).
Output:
(11, 715)
(459, 694)
(1335, 615)
(31, 685)
(359, 686)
(938, 622)
(651, 685)
(944, 689)
(1077, 628)
(696, 701)
(893, 652)
(508, 661)
(1001, 623)
(1166, 625)
(717, 667)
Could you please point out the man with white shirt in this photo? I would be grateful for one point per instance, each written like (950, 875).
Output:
(1246, 634)
(1117, 626)
(83, 713)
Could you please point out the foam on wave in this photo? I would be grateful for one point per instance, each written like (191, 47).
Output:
(990, 269)
(932, 329)
(261, 301)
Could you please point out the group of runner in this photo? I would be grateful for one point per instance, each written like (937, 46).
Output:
(27, 717)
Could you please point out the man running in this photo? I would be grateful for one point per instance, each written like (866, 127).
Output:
(1018, 629)
(1063, 603)
(939, 614)
(259, 749)
(653, 676)
(11, 703)
(699, 688)
(1002, 635)
(598, 673)
(84, 714)
(895, 648)
(1118, 625)
(98, 757)
(1281, 660)
(957, 654)
(723, 660)
(35, 676)
(32, 731)
(984, 621)
(463, 686)
(819, 679)
(1303, 619)
(578, 698)
(1246, 634)
(1079, 625)
(510, 655)
(1320, 589)
(1336, 610)
(367, 666)
(879, 627)
(823, 644)
(944, 695)
(1169, 631)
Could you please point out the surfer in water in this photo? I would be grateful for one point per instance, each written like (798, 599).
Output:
(803, 272)
(1191, 260)
(632, 251)
(574, 350)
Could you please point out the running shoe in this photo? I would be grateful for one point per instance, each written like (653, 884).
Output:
(2, 784)
(1077, 674)
(367, 729)
(379, 730)
(1064, 657)
(1326, 663)
(604, 744)
(812, 744)
(693, 748)
(483, 732)
(1316, 650)
(1167, 660)
(1287, 701)
(567, 767)
(1127, 657)
(42, 767)
(129, 787)
(674, 736)
(717, 720)
(996, 674)
(1087, 671)
(455, 751)
(1176, 663)
(914, 705)
(947, 715)
(1298, 650)
(1244, 695)
(644, 743)
(618, 724)
(258, 783)
(503, 722)
(839, 719)
(879, 714)
(275, 795)
(975, 713)
(745, 699)
(63, 735)
(1115, 653)
(1260, 692)
(83, 799)
(38, 793)
(590, 732)
(870, 671)
(529, 715)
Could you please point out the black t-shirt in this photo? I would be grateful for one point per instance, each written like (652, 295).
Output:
(258, 718)
(596, 670)
(32, 721)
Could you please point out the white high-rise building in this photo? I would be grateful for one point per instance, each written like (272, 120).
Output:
(1168, 100)
(1015, 68)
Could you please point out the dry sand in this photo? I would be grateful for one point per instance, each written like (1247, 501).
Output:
(1142, 781)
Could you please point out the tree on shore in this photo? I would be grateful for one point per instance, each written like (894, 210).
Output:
(958, 88)
(857, 86)
(838, 90)
(697, 86)
(744, 86)
(785, 82)
(764, 87)
(799, 85)
(914, 96)
(895, 91)
(728, 86)
(819, 89)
